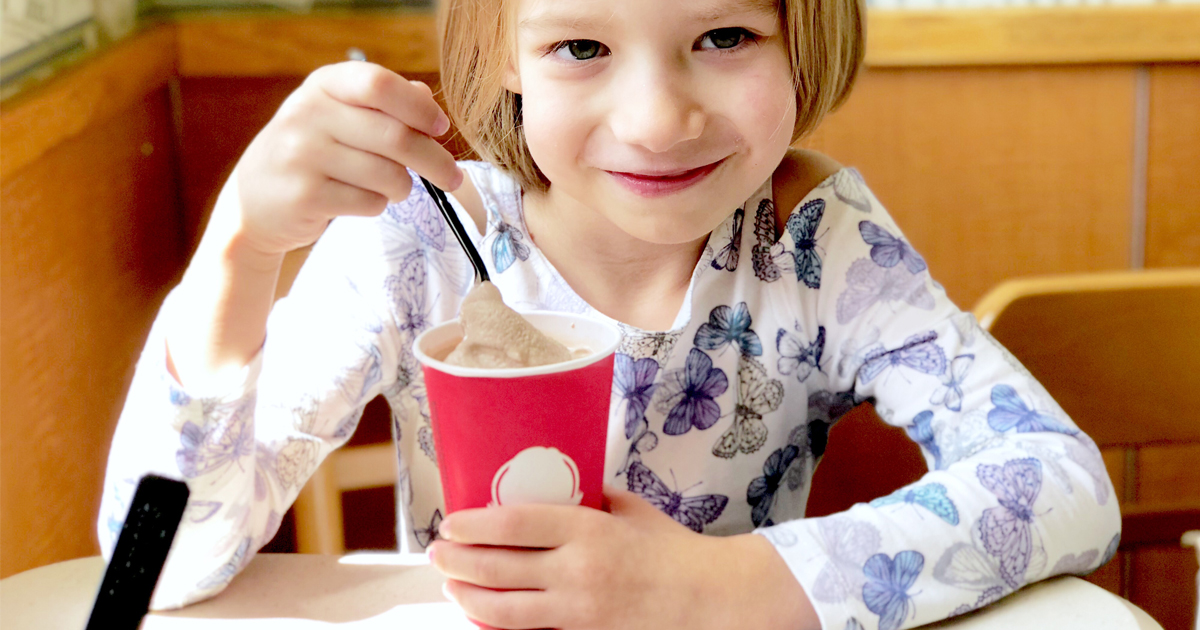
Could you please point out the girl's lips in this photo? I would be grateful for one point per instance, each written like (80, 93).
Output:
(660, 185)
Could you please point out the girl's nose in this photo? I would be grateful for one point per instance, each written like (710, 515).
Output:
(657, 114)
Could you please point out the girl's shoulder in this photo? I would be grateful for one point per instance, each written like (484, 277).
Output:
(800, 172)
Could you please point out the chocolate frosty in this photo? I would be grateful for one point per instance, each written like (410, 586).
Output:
(495, 336)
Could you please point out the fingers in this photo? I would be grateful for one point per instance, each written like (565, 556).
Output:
(491, 567)
(368, 85)
(533, 526)
(367, 171)
(382, 135)
(511, 610)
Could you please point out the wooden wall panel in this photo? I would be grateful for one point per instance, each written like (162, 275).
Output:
(1169, 474)
(994, 173)
(1163, 583)
(218, 118)
(1173, 174)
(91, 238)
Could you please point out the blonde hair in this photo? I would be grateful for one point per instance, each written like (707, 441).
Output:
(824, 39)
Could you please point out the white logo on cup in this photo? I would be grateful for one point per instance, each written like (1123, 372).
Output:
(538, 474)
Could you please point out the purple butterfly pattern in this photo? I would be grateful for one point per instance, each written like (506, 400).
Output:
(420, 212)
(214, 446)
(867, 284)
(950, 393)
(1006, 530)
(888, 250)
(919, 353)
(687, 394)
(633, 384)
(691, 512)
(886, 590)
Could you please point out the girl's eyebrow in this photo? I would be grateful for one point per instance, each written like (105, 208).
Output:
(549, 20)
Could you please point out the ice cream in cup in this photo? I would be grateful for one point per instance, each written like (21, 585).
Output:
(519, 404)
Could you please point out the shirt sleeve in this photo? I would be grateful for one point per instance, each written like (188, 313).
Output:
(246, 447)
(1016, 493)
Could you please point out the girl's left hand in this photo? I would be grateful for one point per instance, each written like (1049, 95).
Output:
(571, 567)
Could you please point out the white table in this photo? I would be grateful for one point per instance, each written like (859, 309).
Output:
(293, 591)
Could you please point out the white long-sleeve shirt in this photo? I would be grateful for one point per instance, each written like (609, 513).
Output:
(720, 421)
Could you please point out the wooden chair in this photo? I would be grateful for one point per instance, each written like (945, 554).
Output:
(318, 509)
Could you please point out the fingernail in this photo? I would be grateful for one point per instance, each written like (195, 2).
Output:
(446, 591)
(442, 125)
(429, 552)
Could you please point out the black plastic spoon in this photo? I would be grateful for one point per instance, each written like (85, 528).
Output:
(443, 204)
(456, 226)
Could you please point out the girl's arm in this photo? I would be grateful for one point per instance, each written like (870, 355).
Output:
(1016, 492)
(197, 408)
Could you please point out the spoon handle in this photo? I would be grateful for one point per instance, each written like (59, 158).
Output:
(456, 226)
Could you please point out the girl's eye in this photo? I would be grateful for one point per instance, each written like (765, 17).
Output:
(579, 49)
(725, 38)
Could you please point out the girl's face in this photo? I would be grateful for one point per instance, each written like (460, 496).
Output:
(662, 116)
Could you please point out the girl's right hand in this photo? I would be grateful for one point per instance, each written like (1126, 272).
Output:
(338, 145)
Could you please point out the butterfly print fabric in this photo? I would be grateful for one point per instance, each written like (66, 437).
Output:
(727, 257)
(888, 581)
(793, 317)
(693, 512)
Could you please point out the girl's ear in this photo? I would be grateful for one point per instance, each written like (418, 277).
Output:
(512, 78)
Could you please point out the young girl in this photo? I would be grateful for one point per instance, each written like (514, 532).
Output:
(636, 166)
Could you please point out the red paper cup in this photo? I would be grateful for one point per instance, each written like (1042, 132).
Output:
(521, 435)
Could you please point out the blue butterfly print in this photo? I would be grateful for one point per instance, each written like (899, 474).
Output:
(426, 535)
(888, 250)
(225, 573)
(727, 325)
(950, 393)
(180, 398)
(215, 445)
(633, 382)
(727, 257)
(692, 512)
(406, 291)
(918, 353)
(802, 225)
(761, 492)
(688, 393)
(1010, 411)
(888, 581)
(796, 357)
(1006, 530)
(420, 212)
(931, 496)
(921, 432)
(508, 246)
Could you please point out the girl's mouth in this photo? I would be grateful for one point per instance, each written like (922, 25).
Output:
(648, 185)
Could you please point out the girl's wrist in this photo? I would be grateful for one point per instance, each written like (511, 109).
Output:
(776, 592)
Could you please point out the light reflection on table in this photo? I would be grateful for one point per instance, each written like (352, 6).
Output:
(388, 590)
